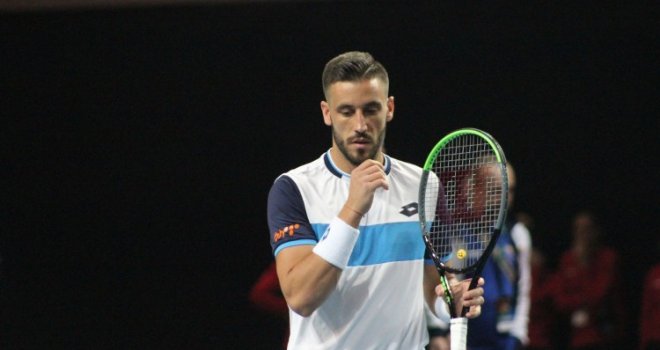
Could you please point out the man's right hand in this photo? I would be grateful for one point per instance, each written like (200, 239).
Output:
(365, 180)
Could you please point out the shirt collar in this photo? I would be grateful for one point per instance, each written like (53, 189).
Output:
(339, 173)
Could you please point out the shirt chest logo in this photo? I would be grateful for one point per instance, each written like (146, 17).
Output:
(409, 209)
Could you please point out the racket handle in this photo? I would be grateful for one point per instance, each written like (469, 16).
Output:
(458, 333)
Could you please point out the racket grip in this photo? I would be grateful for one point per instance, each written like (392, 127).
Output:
(458, 333)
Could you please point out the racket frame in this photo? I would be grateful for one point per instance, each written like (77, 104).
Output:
(477, 267)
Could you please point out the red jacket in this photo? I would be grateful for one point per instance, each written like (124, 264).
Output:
(542, 316)
(650, 314)
(589, 295)
(266, 295)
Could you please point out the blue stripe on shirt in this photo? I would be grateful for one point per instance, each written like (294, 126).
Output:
(384, 243)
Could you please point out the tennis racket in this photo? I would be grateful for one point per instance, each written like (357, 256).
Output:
(462, 207)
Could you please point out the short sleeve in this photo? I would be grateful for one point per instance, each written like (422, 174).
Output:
(287, 218)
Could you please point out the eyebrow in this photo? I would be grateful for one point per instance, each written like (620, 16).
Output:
(371, 104)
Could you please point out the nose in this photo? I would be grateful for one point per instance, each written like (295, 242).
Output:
(360, 122)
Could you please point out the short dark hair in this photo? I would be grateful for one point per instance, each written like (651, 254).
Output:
(352, 66)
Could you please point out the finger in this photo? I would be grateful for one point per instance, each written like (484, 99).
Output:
(476, 301)
(474, 311)
(370, 163)
(374, 171)
(439, 290)
(474, 293)
(368, 173)
(373, 176)
(472, 297)
(373, 185)
(480, 282)
(459, 287)
(380, 181)
(377, 179)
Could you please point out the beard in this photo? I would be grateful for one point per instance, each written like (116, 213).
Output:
(360, 155)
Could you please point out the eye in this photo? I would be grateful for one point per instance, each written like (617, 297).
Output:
(346, 112)
(371, 109)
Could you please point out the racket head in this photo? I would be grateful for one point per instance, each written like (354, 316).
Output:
(463, 199)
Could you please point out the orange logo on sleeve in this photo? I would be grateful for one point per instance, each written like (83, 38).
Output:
(288, 230)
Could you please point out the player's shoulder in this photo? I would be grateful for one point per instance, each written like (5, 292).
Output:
(309, 170)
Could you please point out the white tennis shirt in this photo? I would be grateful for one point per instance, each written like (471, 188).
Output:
(378, 302)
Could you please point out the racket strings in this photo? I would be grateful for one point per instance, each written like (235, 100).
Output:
(465, 198)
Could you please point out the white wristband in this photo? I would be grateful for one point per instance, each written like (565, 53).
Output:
(336, 244)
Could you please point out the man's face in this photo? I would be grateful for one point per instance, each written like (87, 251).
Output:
(358, 113)
(584, 229)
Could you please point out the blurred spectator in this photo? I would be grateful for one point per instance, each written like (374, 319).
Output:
(650, 313)
(542, 318)
(266, 296)
(505, 313)
(526, 219)
(587, 288)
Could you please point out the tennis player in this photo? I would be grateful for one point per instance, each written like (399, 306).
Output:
(345, 231)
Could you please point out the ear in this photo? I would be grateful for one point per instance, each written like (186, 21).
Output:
(390, 108)
(325, 110)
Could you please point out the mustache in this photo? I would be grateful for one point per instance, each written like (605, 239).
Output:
(361, 136)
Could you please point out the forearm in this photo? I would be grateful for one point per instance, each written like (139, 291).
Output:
(431, 280)
(307, 283)
(309, 274)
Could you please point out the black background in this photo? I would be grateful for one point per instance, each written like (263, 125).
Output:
(139, 144)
